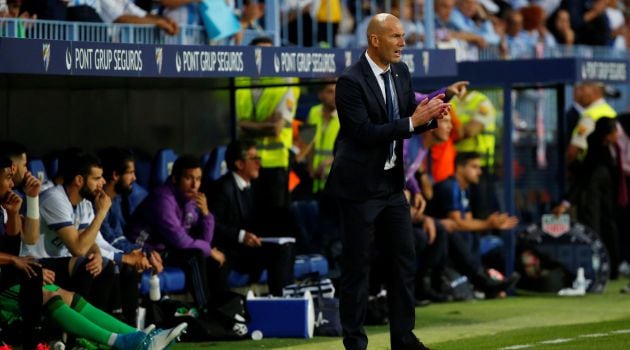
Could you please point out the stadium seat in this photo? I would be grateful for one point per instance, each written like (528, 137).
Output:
(37, 168)
(143, 172)
(163, 165)
(215, 166)
(137, 195)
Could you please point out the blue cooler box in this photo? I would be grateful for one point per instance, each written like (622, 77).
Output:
(282, 317)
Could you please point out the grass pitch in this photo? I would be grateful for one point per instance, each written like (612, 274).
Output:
(526, 321)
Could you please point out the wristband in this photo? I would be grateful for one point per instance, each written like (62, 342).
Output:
(32, 207)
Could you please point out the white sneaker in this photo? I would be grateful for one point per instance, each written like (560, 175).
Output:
(162, 339)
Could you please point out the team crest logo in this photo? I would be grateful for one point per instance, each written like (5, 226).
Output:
(258, 58)
(276, 63)
(348, 58)
(158, 59)
(68, 59)
(178, 62)
(46, 55)
(425, 61)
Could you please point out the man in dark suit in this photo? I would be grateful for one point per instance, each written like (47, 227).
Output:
(233, 205)
(376, 113)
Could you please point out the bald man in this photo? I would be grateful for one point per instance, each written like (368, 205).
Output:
(377, 110)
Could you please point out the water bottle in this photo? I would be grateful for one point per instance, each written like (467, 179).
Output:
(154, 287)
(580, 280)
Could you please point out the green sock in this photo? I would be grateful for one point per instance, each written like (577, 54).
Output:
(75, 323)
(100, 317)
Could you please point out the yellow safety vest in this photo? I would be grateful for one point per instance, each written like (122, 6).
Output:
(323, 143)
(273, 151)
(484, 142)
(599, 111)
(329, 11)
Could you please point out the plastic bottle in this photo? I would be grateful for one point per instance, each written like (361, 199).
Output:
(154, 287)
(580, 281)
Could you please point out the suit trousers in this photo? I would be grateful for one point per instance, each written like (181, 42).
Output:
(384, 221)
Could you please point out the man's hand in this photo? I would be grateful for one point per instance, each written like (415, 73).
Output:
(167, 25)
(278, 124)
(156, 261)
(32, 185)
(25, 263)
(49, 276)
(202, 203)
(434, 108)
(449, 225)
(428, 224)
(502, 221)
(218, 256)
(102, 202)
(137, 259)
(458, 88)
(12, 203)
(251, 240)
(95, 264)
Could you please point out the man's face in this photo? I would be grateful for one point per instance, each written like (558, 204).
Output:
(125, 180)
(92, 183)
(327, 96)
(468, 7)
(20, 168)
(6, 182)
(249, 166)
(444, 8)
(471, 171)
(189, 182)
(390, 41)
(443, 130)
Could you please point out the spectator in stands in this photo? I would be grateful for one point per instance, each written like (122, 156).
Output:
(266, 115)
(559, 24)
(236, 232)
(69, 241)
(81, 11)
(175, 220)
(588, 19)
(451, 201)
(119, 172)
(448, 35)
(249, 15)
(469, 16)
(125, 11)
(412, 25)
(599, 189)
(182, 12)
(617, 25)
(591, 97)
(516, 38)
(534, 26)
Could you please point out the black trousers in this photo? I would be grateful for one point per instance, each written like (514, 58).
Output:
(205, 279)
(386, 222)
(29, 300)
(96, 290)
(125, 292)
(277, 259)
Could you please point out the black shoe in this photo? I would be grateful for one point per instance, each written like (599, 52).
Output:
(493, 287)
(417, 345)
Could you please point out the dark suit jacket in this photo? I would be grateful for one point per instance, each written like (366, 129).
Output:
(362, 145)
(230, 212)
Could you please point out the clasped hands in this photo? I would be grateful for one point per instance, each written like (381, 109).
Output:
(429, 109)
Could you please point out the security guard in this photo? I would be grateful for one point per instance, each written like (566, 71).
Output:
(324, 117)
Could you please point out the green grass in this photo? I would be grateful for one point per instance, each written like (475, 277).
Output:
(494, 324)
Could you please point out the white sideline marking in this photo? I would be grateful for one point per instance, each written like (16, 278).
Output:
(557, 341)
(515, 347)
(565, 340)
(594, 335)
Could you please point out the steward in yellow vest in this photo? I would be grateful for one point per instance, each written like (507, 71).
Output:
(324, 117)
(478, 118)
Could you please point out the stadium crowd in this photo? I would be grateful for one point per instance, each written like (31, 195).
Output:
(516, 28)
